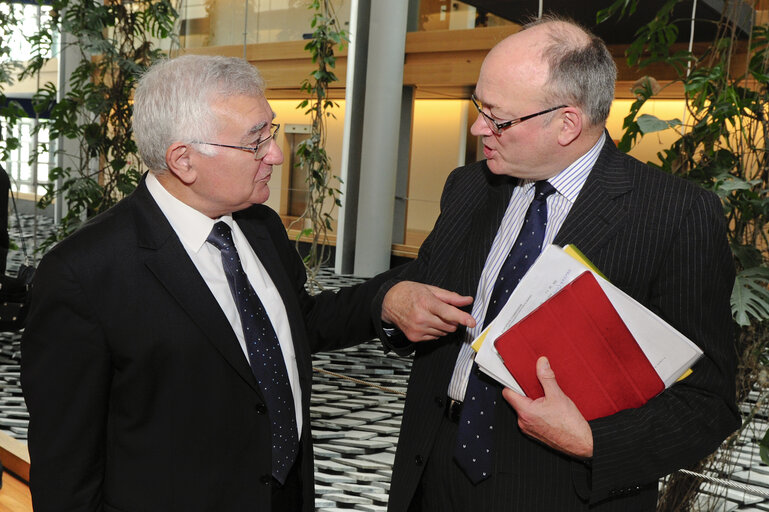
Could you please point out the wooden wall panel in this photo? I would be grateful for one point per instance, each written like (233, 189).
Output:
(439, 63)
(443, 68)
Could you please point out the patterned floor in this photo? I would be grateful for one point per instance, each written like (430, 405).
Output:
(355, 426)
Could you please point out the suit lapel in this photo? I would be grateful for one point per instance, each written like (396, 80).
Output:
(598, 214)
(169, 262)
(484, 225)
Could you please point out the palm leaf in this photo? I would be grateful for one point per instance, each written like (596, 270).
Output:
(750, 296)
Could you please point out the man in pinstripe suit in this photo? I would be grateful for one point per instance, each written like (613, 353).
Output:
(544, 95)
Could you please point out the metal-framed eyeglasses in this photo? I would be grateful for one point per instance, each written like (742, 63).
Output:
(259, 149)
(496, 126)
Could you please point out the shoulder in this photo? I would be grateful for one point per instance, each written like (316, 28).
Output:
(476, 174)
(107, 227)
(649, 184)
(260, 214)
(263, 217)
(101, 241)
(475, 180)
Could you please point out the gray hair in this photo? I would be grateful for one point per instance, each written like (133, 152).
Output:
(172, 102)
(582, 71)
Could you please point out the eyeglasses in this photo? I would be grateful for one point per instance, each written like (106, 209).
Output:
(497, 127)
(259, 149)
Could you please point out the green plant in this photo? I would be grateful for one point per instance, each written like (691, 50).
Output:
(324, 196)
(721, 146)
(10, 111)
(115, 41)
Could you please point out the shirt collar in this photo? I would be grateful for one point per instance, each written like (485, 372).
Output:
(191, 226)
(569, 182)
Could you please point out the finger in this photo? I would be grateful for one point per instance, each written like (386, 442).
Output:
(546, 377)
(450, 297)
(445, 322)
(516, 400)
(424, 332)
(450, 315)
(432, 331)
(428, 333)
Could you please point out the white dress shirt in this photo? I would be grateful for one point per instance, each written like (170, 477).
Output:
(193, 227)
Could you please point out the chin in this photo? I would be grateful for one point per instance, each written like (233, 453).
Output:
(495, 168)
(260, 196)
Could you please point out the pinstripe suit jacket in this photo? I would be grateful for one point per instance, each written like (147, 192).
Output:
(660, 239)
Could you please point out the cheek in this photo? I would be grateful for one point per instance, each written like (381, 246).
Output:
(510, 149)
(518, 147)
(260, 186)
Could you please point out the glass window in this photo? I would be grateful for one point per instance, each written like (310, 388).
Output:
(26, 176)
(235, 22)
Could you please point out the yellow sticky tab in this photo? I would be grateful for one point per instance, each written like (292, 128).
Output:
(479, 340)
(577, 255)
(686, 374)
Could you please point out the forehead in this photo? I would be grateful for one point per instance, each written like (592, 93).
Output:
(513, 73)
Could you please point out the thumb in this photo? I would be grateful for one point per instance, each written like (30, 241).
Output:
(546, 377)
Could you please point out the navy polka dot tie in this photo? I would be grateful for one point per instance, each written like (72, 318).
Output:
(264, 354)
(473, 451)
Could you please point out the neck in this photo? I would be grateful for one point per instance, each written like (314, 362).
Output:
(186, 195)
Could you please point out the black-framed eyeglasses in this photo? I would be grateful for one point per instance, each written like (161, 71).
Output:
(497, 127)
(259, 149)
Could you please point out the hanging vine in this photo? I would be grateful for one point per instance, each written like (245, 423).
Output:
(324, 194)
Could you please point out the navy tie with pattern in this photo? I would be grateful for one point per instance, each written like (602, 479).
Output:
(264, 354)
(476, 424)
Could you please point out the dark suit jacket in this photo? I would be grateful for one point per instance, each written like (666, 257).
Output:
(140, 397)
(662, 241)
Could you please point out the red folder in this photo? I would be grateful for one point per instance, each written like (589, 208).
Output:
(596, 360)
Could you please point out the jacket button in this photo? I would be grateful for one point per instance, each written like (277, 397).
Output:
(439, 401)
(260, 409)
(418, 459)
(266, 480)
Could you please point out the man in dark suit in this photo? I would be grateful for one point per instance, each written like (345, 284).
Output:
(136, 356)
(543, 96)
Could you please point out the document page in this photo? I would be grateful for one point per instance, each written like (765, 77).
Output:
(670, 353)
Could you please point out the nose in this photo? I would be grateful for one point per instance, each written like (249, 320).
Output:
(480, 127)
(274, 154)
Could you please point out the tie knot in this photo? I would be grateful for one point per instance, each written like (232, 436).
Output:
(542, 189)
(221, 236)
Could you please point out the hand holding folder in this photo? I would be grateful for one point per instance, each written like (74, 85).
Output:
(668, 352)
(596, 360)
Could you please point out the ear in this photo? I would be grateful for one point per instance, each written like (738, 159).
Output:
(178, 162)
(571, 125)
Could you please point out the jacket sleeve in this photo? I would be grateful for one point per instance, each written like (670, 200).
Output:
(334, 319)
(65, 376)
(416, 270)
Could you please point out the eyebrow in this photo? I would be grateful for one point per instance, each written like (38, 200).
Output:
(490, 107)
(258, 128)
